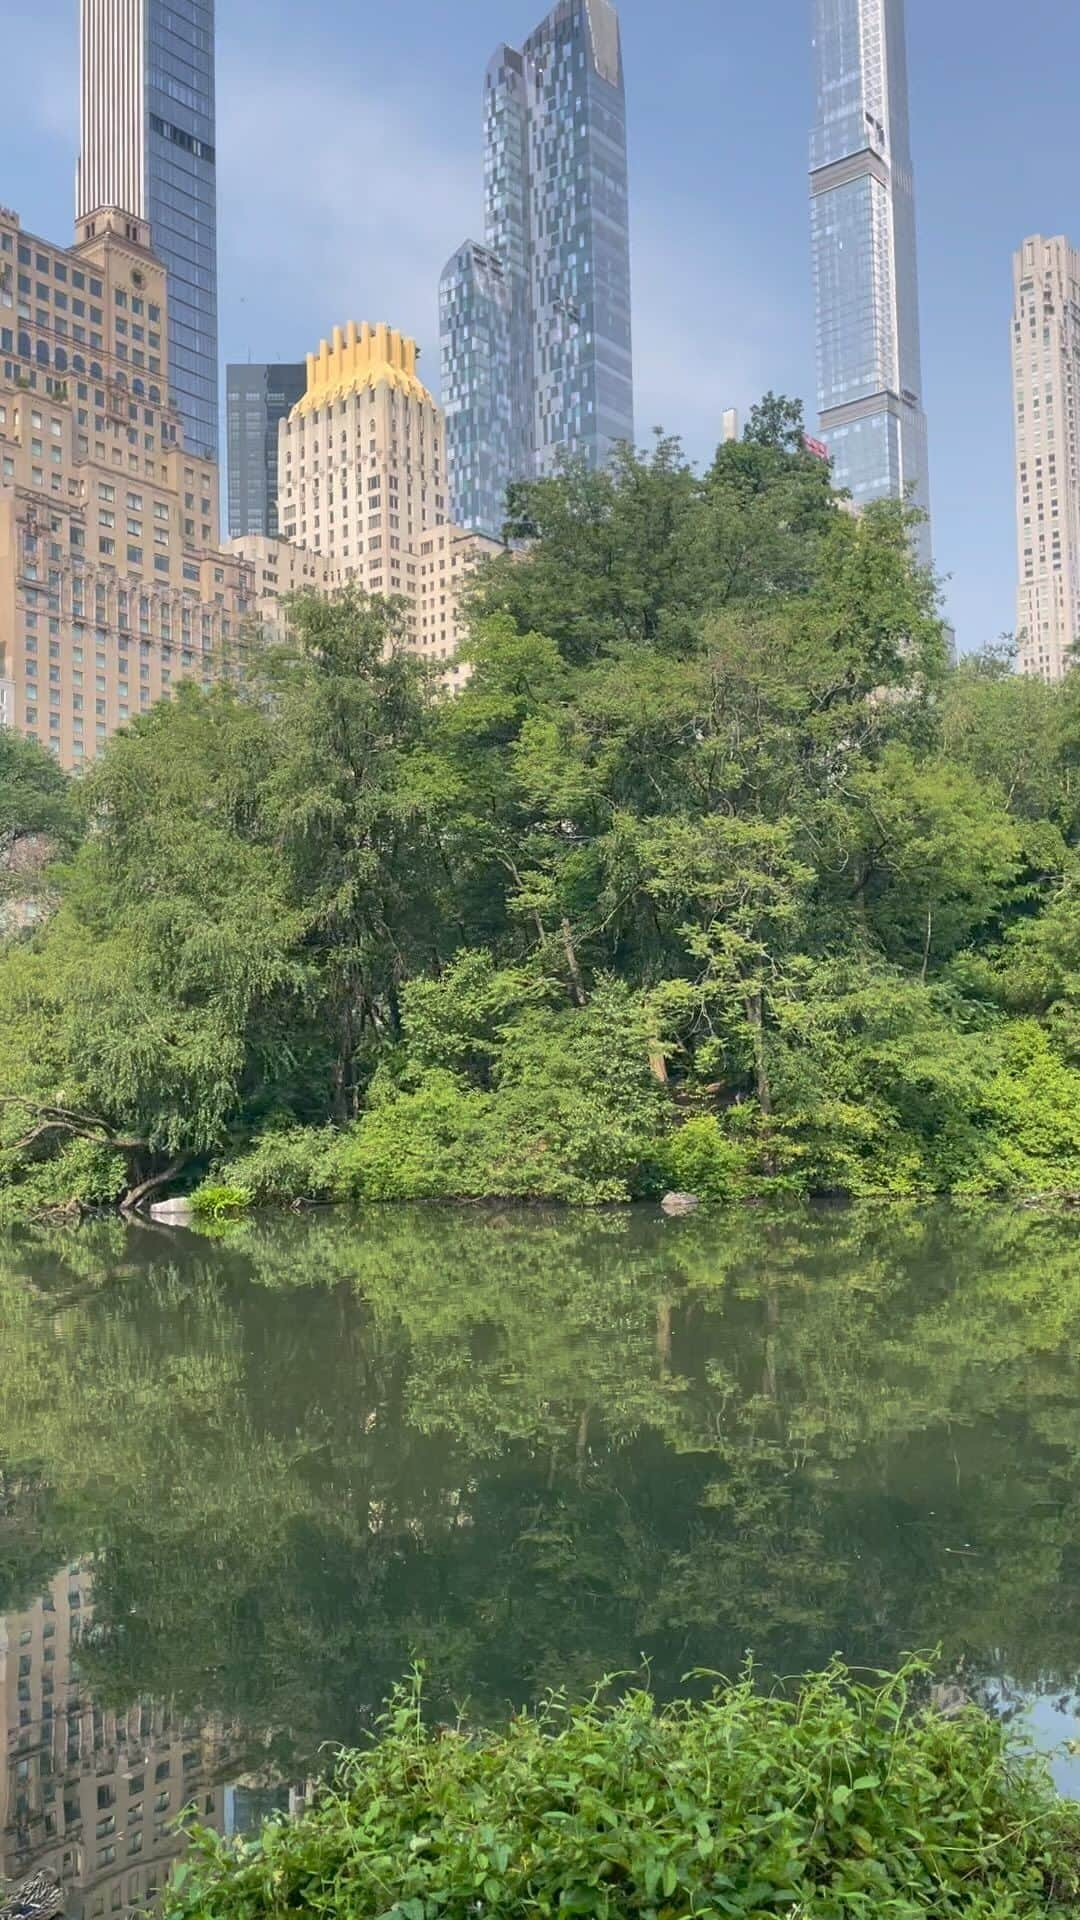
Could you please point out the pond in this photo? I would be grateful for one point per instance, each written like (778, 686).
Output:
(246, 1479)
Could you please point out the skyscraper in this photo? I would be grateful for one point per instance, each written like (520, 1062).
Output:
(257, 399)
(362, 483)
(536, 334)
(865, 272)
(98, 493)
(1046, 389)
(147, 149)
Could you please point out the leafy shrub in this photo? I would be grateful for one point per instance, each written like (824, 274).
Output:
(843, 1800)
(217, 1202)
(85, 1173)
(700, 1157)
(285, 1166)
(426, 1144)
(1031, 1117)
(572, 1114)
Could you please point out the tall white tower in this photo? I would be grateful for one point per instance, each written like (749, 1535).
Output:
(1046, 392)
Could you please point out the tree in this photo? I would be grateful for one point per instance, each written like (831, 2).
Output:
(163, 981)
(347, 822)
(39, 823)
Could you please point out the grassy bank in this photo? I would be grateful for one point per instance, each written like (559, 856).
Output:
(838, 1799)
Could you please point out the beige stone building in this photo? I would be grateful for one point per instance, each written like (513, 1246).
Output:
(113, 583)
(363, 486)
(92, 1794)
(1046, 390)
(279, 570)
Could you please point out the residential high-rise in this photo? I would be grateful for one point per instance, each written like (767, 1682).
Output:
(1046, 389)
(147, 149)
(363, 483)
(257, 399)
(865, 272)
(536, 332)
(113, 587)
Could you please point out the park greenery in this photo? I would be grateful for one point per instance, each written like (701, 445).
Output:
(716, 875)
(843, 1796)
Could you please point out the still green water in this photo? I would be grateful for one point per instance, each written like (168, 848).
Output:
(245, 1480)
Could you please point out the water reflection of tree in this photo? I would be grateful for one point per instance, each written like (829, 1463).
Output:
(532, 1448)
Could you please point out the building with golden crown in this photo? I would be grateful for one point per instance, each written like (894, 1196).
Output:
(363, 487)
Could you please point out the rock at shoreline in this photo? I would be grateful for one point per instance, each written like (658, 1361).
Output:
(678, 1205)
(179, 1212)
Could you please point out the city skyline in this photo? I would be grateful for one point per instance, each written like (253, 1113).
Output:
(865, 265)
(722, 297)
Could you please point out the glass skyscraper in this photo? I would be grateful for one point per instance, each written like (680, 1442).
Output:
(257, 399)
(536, 334)
(865, 271)
(148, 148)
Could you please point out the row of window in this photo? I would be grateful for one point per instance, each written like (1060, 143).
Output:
(46, 263)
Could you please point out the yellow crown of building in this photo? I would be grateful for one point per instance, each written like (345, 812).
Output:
(359, 357)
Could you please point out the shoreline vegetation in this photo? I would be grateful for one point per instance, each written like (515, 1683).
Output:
(717, 876)
(849, 1794)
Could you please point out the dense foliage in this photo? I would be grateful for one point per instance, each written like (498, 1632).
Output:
(715, 874)
(839, 1800)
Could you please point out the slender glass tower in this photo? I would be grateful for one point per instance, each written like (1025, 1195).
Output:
(536, 333)
(147, 148)
(865, 272)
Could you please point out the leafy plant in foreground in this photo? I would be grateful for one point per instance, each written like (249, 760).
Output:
(846, 1798)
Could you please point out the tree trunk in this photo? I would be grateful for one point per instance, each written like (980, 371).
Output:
(755, 1014)
(926, 946)
(135, 1196)
(861, 906)
(577, 984)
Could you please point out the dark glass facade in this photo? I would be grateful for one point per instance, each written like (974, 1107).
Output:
(257, 399)
(181, 202)
(536, 326)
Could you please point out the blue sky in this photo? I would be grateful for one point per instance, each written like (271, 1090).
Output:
(349, 169)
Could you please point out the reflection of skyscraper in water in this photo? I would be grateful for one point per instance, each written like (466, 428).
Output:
(92, 1794)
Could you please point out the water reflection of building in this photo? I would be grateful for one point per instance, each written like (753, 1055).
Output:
(93, 1794)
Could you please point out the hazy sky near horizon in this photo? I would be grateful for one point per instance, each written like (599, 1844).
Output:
(349, 168)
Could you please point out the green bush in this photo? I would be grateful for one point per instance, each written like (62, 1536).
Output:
(86, 1173)
(846, 1799)
(1030, 1137)
(425, 1144)
(700, 1157)
(285, 1167)
(572, 1114)
(218, 1202)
